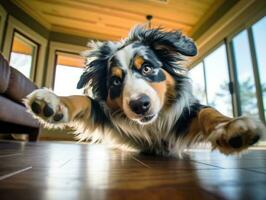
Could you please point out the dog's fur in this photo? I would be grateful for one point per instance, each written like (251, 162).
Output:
(148, 63)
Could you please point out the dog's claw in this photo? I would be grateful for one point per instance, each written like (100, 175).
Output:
(58, 117)
(255, 140)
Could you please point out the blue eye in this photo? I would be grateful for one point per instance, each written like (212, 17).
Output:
(146, 69)
(116, 82)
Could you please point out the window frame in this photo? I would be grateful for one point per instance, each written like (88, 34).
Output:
(3, 16)
(57, 53)
(52, 57)
(254, 59)
(35, 55)
(254, 66)
(13, 25)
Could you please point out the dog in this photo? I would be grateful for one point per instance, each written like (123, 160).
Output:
(141, 99)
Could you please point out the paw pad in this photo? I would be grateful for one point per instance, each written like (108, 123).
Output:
(236, 142)
(236, 135)
(36, 108)
(47, 111)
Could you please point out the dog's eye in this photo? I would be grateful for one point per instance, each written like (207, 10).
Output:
(147, 69)
(116, 82)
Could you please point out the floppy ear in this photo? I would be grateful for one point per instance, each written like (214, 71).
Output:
(171, 41)
(175, 43)
(96, 68)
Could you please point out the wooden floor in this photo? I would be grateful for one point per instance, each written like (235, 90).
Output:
(49, 170)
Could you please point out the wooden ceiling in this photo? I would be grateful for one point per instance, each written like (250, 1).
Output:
(112, 19)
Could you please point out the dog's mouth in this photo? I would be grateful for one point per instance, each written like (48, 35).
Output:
(147, 118)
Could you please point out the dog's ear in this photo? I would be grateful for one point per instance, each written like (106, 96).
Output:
(95, 72)
(165, 41)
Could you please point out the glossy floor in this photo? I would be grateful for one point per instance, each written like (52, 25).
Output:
(49, 170)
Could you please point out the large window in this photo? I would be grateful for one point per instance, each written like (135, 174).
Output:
(23, 55)
(245, 75)
(259, 33)
(69, 68)
(217, 78)
(247, 80)
(198, 83)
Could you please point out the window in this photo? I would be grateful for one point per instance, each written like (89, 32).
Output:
(210, 81)
(217, 79)
(69, 68)
(198, 83)
(23, 55)
(259, 32)
(245, 75)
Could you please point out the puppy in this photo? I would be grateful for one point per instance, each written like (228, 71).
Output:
(141, 99)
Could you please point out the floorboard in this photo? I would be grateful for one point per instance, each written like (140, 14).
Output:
(54, 170)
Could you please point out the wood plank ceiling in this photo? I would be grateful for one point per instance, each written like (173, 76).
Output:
(112, 19)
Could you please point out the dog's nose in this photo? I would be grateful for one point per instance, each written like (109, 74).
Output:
(140, 105)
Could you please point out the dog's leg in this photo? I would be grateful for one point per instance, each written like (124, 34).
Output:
(229, 135)
(53, 110)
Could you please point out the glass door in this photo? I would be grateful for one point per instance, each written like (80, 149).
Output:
(217, 81)
(245, 75)
(259, 33)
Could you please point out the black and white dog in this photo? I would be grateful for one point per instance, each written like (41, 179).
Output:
(142, 99)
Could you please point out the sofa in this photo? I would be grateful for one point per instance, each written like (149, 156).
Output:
(14, 118)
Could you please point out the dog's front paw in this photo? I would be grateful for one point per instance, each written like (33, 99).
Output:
(236, 135)
(46, 107)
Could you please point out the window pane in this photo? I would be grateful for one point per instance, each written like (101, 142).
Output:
(22, 54)
(259, 33)
(198, 83)
(68, 71)
(247, 89)
(217, 78)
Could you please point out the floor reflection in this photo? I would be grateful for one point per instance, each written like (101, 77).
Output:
(82, 171)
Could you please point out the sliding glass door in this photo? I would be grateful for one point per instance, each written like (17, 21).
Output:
(245, 75)
(210, 81)
(259, 35)
(217, 78)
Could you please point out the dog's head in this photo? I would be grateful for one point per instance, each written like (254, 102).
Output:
(141, 75)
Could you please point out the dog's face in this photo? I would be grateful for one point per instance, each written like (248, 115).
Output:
(137, 83)
(140, 75)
